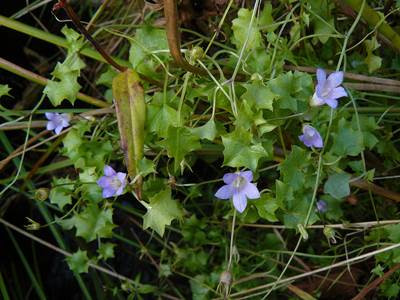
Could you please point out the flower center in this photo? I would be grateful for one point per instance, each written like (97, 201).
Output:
(239, 182)
(325, 91)
(116, 183)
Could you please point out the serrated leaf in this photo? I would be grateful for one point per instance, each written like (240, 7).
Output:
(89, 188)
(293, 167)
(292, 90)
(106, 251)
(4, 90)
(160, 118)
(240, 151)
(207, 131)
(347, 141)
(91, 223)
(78, 262)
(259, 95)
(242, 30)
(146, 167)
(180, 142)
(337, 185)
(161, 211)
(266, 207)
(265, 20)
(65, 85)
(61, 193)
(147, 40)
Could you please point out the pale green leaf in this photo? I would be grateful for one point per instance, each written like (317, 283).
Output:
(161, 211)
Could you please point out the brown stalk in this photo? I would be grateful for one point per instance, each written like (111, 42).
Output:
(75, 19)
(174, 37)
(374, 284)
(376, 189)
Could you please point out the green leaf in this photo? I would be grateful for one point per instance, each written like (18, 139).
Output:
(106, 250)
(293, 167)
(146, 167)
(4, 90)
(337, 185)
(266, 207)
(292, 90)
(324, 23)
(265, 20)
(347, 141)
(147, 40)
(259, 95)
(208, 131)
(161, 211)
(91, 223)
(61, 193)
(373, 61)
(78, 262)
(65, 85)
(242, 30)
(89, 188)
(179, 142)
(160, 118)
(240, 151)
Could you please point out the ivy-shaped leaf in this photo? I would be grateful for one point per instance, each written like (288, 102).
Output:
(179, 142)
(160, 118)
(373, 61)
(259, 95)
(61, 192)
(266, 207)
(4, 90)
(91, 223)
(347, 141)
(106, 251)
(89, 188)
(240, 151)
(293, 168)
(337, 185)
(66, 85)
(78, 262)
(161, 211)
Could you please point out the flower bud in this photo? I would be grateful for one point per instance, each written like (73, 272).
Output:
(225, 278)
(41, 194)
(256, 77)
(303, 231)
(33, 225)
(196, 53)
(330, 234)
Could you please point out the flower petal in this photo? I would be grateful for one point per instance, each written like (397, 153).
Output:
(122, 177)
(104, 182)
(251, 191)
(321, 76)
(51, 125)
(316, 101)
(239, 201)
(338, 92)
(108, 192)
(224, 192)
(248, 175)
(108, 171)
(335, 79)
(332, 102)
(229, 177)
(50, 116)
(58, 129)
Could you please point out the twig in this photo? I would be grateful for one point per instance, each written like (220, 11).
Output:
(316, 271)
(348, 75)
(65, 253)
(174, 39)
(75, 19)
(374, 284)
(13, 68)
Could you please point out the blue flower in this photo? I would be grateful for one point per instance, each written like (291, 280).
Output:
(57, 121)
(322, 206)
(311, 137)
(239, 188)
(112, 183)
(328, 90)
